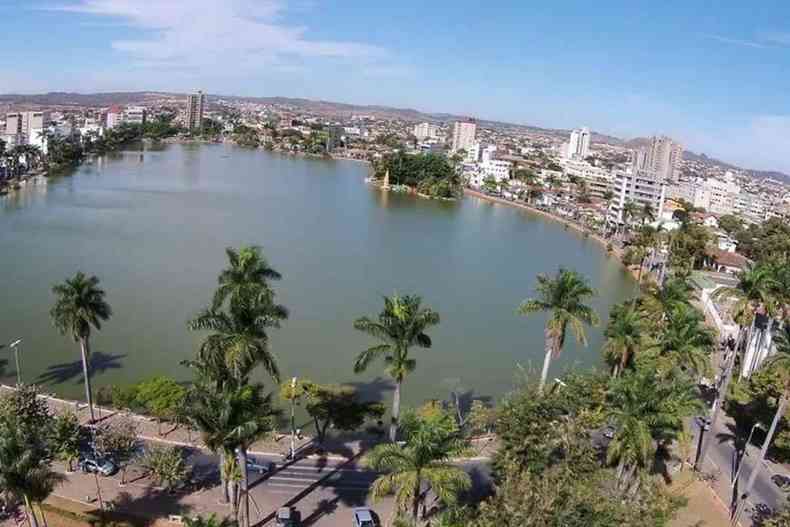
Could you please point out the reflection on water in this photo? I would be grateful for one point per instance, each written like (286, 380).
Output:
(153, 222)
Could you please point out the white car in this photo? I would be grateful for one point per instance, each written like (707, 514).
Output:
(259, 466)
(363, 517)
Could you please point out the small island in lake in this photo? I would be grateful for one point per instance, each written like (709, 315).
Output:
(429, 175)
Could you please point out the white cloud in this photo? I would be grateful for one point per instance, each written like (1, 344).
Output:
(195, 34)
(736, 41)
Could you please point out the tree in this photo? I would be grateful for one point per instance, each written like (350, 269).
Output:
(400, 326)
(79, 306)
(686, 342)
(210, 521)
(162, 397)
(339, 406)
(66, 437)
(118, 441)
(166, 465)
(247, 276)
(422, 462)
(630, 211)
(731, 224)
(563, 298)
(648, 214)
(626, 335)
(780, 362)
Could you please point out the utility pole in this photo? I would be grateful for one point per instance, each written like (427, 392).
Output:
(293, 418)
(15, 346)
(721, 394)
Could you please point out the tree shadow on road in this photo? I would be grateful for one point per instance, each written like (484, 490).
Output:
(68, 371)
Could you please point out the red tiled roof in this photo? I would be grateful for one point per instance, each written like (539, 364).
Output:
(729, 259)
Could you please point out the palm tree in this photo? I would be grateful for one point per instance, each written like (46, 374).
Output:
(424, 461)
(662, 299)
(630, 211)
(79, 306)
(648, 214)
(686, 342)
(780, 362)
(625, 336)
(239, 335)
(248, 275)
(563, 298)
(400, 326)
(24, 472)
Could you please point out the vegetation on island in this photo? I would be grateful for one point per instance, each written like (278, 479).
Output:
(429, 174)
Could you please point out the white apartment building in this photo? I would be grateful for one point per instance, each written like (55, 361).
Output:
(425, 131)
(114, 117)
(496, 168)
(27, 128)
(487, 154)
(578, 146)
(663, 157)
(717, 196)
(464, 133)
(134, 115)
(473, 154)
(642, 187)
(196, 103)
(598, 179)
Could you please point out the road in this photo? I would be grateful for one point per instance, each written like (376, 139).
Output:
(721, 460)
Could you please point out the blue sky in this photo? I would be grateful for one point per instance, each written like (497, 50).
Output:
(715, 75)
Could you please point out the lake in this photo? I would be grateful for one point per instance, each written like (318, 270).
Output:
(153, 225)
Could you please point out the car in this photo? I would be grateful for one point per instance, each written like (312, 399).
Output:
(781, 481)
(258, 465)
(98, 465)
(286, 517)
(364, 517)
(703, 422)
(609, 431)
(763, 510)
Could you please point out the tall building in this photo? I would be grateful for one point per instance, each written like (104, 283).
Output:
(464, 133)
(27, 127)
(425, 131)
(195, 104)
(114, 117)
(134, 115)
(663, 157)
(639, 186)
(578, 146)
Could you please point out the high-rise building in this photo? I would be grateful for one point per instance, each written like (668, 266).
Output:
(578, 146)
(114, 117)
(27, 127)
(425, 131)
(640, 187)
(134, 115)
(195, 105)
(464, 133)
(663, 157)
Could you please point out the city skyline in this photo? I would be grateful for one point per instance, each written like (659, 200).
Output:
(702, 87)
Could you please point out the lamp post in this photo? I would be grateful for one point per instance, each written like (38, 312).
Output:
(745, 448)
(15, 346)
(293, 418)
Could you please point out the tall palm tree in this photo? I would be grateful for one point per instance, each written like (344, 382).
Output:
(79, 306)
(659, 300)
(648, 213)
(423, 462)
(630, 211)
(247, 275)
(686, 342)
(239, 335)
(625, 335)
(25, 472)
(400, 326)
(563, 297)
(780, 361)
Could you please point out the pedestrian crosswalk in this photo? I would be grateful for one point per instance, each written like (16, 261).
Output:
(305, 474)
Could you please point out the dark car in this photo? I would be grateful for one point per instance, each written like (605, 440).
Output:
(703, 422)
(609, 432)
(781, 481)
(98, 465)
(286, 517)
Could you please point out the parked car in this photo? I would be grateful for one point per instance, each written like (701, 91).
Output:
(102, 466)
(286, 517)
(781, 481)
(364, 517)
(609, 431)
(763, 510)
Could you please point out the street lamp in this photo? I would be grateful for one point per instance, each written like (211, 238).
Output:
(745, 452)
(293, 418)
(15, 346)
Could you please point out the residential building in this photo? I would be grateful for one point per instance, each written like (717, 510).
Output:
(114, 117)
(487, 154)
(473, 154)
(641, 187)
(498, 169)
(28, 127)
(196, 103)
(425, 131)
(464, 133)
(663, 157)
(598, 179)
(134, 115)
(578, 146)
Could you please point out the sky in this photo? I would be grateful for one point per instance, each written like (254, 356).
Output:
(713, 75)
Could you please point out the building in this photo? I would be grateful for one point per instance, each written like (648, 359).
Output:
(29, 128)
(498, 169)
(641, 187)
(662, 156)
(464, 133)
(578, 146)
(598, 179)
(134, 115)
(425, 131)
(114, 117)
(473, 154)
(196, 103)
(487, 154)
(717, 196)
